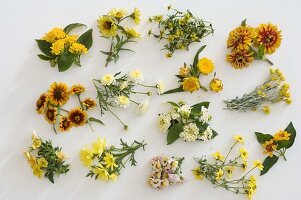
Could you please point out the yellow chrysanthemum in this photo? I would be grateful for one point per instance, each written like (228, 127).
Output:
(258, 164)
(86, 156)
(216, 85)
(132, 33)
(269, 147)
(218, 156)
(107, 26)
(54, 35)
(89, 103)
(58, 94)
(58, 47)
(136, 15)
(241, 37)
(243, 153)
(77, 89)
(269, 36)
(65, 124)
(117, 13)
(240, 58)
(282, 135)
(219, 174)
(205, 66)
(191, 84)
(101, 172)
(184, 71)
(110, 161)
(77, 48)
(239, 139)
(77, 117)
(107, 79)
(98, 146)
(197, 173)
(41, 103)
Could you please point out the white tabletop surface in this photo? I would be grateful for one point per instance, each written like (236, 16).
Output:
(24, 77)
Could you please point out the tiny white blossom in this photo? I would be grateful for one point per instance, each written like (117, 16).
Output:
(190, 132)
(207, 135)
(205, 116)
(160, 87)
(164, 122)
(136, 76)
(184, 110)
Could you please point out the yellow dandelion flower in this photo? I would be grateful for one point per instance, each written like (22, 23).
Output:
(216, 85)
(117, 13)
(77, 48)
(205, 66)
(54, 35)
(243, 153)
(191, 84)
(239, 139)
(197, 173)
(86, 156)
(241, 37)
(110, 161)
(107, 26)
(269, 147)
(258, 164)
(58, 47)
(136, 15)
(58, 94)
(218, 156)
(132, 33)
(77, 117)
(41, 103)
(240, 59)
(269, 36)
(282, 135)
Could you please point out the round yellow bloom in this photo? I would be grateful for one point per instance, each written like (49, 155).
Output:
(54, 35)
(258, 164)
(197, 173)
(191, 84)
(269, 147)
(107, 26)
(77, 48)
(205, 66)
(117, 13)
(136, 15)
(101, 172)
(58, 47)
(50, 115)
(132, 33)
(218, 156)
(240, 58)
(58, 94)
(65, 124)
(184, 71)
(98, 146)
(269, 36)
(266, 110)
(241, 37)
(77, 117)
(219, 174)
(216, 85)
(110, 161)
(123, 101)
(86, 157)
(282, 135)
(77, 89)
(107, 79)
(42, 162)
(243, 154)
(239, 138)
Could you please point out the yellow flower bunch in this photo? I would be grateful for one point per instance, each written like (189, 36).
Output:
(220, 172)
(50, 104)
(250, 43)
(105, 162)
(190, 76)
(63, 49)
(44, 159)
(110, 27)
(273, 90)
(276, 145)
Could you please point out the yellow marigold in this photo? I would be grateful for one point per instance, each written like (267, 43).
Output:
(136, 15)
(58, 94)
(77, 48)
(269, 36)
(132, 33)
(65, 124)
(77, 89)
(191, 84)
(269, 147)
(117, 13)
(258, 164)
(240, 58)
(184, 71)
(216, 85)
(205, 66)
(58, 47)
(54, 35)
(41, 103)
(77, 117)
(282, 135)
(50, 114)
(89, 103)
(241, 37)
(239, 139)
(107, 26)
(197, 173)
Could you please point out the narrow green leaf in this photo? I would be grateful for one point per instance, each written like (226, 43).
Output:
(173, 103)
(196, 57)
(244, 22)
(65, 61)
(198, 107)
(86, 39)
(179, 89)
(92, 119)
(174, 133)
(262, 138)
(179, 77)
(44, 46)
(125, 49)
(44, 57)
(70, 27)
(268, 163)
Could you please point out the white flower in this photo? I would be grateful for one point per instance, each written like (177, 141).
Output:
(123, 101)
(205, 117)
(123, 85)
(107, 79)
(207, 134)
(190, 132)
(164, 122)
(160, 87)
(143, 106)
(173, 114)
(184, 110)
(136, 76)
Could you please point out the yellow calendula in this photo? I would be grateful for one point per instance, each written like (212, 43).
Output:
(205, 66)
(191, 84)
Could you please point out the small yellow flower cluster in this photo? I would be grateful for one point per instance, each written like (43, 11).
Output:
(244, 38)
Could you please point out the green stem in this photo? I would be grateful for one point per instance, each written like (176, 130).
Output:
(110, 53)
(150, 86)
(60, 108)
(268, 61)
(124, 125)
(229, 152)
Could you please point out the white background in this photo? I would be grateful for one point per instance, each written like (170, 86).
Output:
(24, 77)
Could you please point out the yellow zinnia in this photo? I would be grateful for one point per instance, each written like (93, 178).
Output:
(241, 37)
(205, 66)
(240, 58)
(269, 36)
(191, 84)
(107, 26)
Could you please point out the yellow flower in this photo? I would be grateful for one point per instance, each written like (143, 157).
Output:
(77, 89)
(89, 103)
(58, 94)
(158, 18)
(169, 55)
(197, 173)
(218, 156)
(132, 33)
(136, 15)
(243, 154)
(70, 39)
(282, 135)
(191, 84)
(77, 48)
(77, 117)
(241, 37)
(117, 13)
(229, 170)
(98, 146)
(86, 156)
(50, 114)
(269, 36)
(251, 187)
(160, 87)
(107, 26)
(110, 161)
(184, 71)
(60, 155)
(101, 172)
(123, 101)
(54, 35)
(170, 38)
(113, 177)
(269, 147)
(240, 58)
(65, 124)
(205, 66)
(216, 85)
(58, 47)
(266, 110)
(42, 162)
(194, 37)
(36, 141)
(41, 103)
(245, 165)
(37, 171)
(239, 139)
(30, 159)
(219, 174)
(258, 164)
(107, 79)
(288, 100)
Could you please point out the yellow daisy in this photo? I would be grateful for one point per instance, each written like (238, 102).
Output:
(77, 117)
(58, 94)
(258, 164)
(239, 138)
(110, 161)
(132, 33)
(191, 84)
(107, 26)
(41, 103)
(136, 15)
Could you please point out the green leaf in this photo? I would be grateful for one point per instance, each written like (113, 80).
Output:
(261, 51)
(173, 103)
(44, 46)
(196, 57)
(44, 57)
(92, 119)
(290, 129)
(244, 22)
(65, 61)
(179, 89)
(174, 133)
(179, 77)
(268, 163)
(196, 108)
(214, 133)
(86, 39)
(262, 138)
(70, 27)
